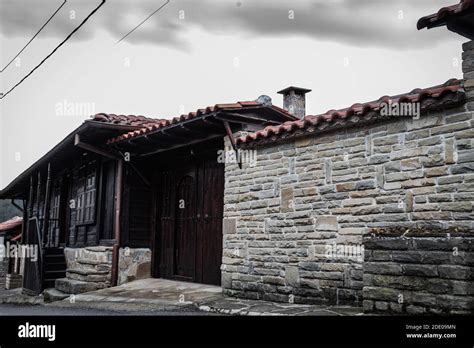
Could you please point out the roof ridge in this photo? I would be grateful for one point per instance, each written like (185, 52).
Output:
(161, 123)
(358, 109)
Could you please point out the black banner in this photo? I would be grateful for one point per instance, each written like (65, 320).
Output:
(223, 330)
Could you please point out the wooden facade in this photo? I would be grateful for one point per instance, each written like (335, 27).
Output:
(168, 197)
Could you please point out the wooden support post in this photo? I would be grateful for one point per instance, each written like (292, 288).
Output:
(117, 221)
(232, 142)
(38, 198)
(47, 202)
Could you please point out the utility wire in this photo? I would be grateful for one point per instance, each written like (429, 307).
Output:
(39, 31)
(141, 23)
(57, 47)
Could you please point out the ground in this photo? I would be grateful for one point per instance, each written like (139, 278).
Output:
(49, 310)
(159, 297)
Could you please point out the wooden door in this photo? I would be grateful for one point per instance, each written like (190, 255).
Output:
(188, 245)
(185, 227)
(209, 241)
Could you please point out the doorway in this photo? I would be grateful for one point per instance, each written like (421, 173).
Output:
(190, 202)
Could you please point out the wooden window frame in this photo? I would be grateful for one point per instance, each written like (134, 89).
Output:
(86, 210)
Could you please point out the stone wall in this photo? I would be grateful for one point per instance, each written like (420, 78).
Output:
(88, 269)
(134, 264)
(468, 70)
(308, 197)
(3, 272)
(13, 281)
(419, 273)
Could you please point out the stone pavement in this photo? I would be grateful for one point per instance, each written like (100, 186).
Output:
(173, 295)
(15, 296)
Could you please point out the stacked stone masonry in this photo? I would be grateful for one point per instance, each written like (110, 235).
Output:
(468, 70)
(284, 217)
(3, 272)
(88, 269)
(419, 274)
(134, 264)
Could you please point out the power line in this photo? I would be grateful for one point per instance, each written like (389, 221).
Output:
(57, 47)
(39, 31)
(147, 18)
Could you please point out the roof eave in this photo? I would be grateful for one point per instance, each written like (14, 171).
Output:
(12, 192)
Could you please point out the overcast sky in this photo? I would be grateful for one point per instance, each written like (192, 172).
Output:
(195, 53)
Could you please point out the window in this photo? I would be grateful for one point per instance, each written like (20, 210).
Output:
(54, 209)
(86, 195)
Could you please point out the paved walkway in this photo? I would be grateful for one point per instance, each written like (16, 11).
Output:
(15, 296)
(173, 295)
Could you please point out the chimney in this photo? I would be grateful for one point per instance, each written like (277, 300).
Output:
(294, 100)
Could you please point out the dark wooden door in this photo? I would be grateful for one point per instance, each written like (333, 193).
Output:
(185, 227)
(190, 207)
(210, 215)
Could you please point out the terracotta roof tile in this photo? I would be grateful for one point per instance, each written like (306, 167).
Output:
(445, 14)
(359, 110)
(150, 125)
(127, 120)
(12, 223)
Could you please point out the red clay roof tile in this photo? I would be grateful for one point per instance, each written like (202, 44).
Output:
(150, 124)
(445, 14)
(12, 223)
(324, 120)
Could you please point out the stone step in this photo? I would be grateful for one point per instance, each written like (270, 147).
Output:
(91, 266)
(91, 262)
(72, 286)
(82, 271)
(88, 276)
(52, 295)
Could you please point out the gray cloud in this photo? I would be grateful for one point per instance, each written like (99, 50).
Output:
(377, 23)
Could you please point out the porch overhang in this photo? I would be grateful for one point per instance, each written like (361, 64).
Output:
(63, 154)
(200, 129)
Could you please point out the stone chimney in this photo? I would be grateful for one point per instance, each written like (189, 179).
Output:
(294, 100)
(468, 70)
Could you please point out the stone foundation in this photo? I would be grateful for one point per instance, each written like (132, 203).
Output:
(419, 273)
(13, 281)
(134, 264)
(3, 272)
(88, 269)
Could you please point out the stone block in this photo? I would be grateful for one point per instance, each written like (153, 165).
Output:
(465, 168)
(415, 310)
(134, 264)
(229, 225)
(326, 223)
(420, 270)
(287, 200)
(70, 286)
(455, 272)
(292, 276)
(382, 268)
